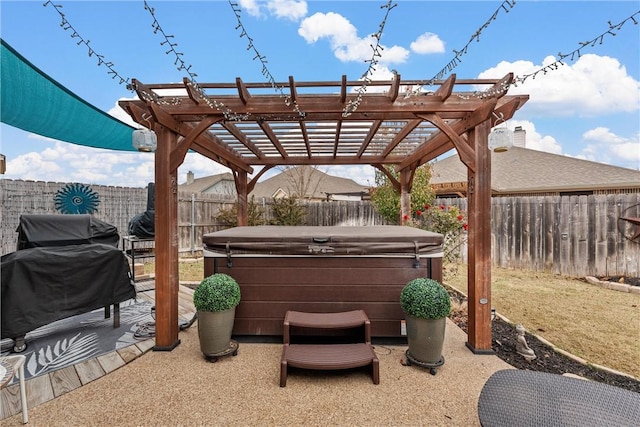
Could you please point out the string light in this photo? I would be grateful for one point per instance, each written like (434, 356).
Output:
(573, 55)
(577, 53)
(181, 65)
(263, 60)
(506, 5)
(352, 105)
(66, 25)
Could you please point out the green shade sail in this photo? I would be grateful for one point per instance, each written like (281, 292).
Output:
(34, 102)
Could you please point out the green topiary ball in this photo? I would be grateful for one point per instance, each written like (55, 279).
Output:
(425, 299)
(217, 292)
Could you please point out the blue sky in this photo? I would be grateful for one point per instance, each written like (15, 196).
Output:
(588, 108)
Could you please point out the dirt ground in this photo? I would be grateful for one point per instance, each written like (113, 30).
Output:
(547, 360)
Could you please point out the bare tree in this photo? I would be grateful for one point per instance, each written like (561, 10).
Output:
(302, 181)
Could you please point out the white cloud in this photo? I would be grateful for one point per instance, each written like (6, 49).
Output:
(65, 162)
(250, 6)
(534, 140)
(117, 112)
(31, 166)
(394, 55)
(606, 147)
(293, 10)
(200, 166)
(427, 43)
(344, 41)
(289, 9)
(592, 85)
(331, 25)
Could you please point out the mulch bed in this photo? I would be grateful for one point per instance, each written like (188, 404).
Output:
(547, 360)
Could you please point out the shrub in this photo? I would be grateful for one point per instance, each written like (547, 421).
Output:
(288, 211)
(449, 221)
(217, 292)
(229, 215)
(426, 299)
(386, 199)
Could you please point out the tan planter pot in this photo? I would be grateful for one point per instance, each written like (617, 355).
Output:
(214, 330)
(426, 339)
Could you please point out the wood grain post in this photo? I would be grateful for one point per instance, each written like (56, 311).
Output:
(479, 244)
(405, 194)
(243, 198)
(166, 236)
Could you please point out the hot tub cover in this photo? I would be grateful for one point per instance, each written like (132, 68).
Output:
(318, 240)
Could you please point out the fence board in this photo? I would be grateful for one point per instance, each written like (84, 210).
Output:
(569, 235)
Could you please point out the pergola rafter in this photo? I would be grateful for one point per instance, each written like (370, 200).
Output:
(241, 125)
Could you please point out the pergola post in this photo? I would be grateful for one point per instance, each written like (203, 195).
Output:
(243, 198)
(479, 243)
(166, 242)
(405, 194)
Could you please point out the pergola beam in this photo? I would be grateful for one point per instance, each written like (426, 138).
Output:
(205, 140)
(466, 153)
(180, 151)
(237, 133)
(397, 139)
(373, 130)
(429, 149)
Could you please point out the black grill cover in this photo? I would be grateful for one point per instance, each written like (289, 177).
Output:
(143, 225)
(38, 230)
(44, 284)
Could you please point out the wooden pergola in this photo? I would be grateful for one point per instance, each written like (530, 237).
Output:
(241, 125)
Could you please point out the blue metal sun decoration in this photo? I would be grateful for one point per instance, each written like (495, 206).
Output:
(76, 199)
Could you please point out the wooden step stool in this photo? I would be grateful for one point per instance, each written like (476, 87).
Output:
(328, 356)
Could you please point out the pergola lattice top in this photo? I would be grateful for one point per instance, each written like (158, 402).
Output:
(387, 127)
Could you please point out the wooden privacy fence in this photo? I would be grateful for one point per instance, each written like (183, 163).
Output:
(197, 216)
(569, 235)
(117, 205)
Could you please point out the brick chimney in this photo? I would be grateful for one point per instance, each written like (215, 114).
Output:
(189, 177)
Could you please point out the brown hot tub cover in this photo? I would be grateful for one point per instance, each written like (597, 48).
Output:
(310, 240)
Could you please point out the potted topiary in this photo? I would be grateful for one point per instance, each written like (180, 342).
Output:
(426, 305)
(215, 300)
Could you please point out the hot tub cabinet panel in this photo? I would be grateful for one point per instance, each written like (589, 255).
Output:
(273, 281)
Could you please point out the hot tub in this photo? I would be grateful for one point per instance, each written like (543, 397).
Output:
(322, 269)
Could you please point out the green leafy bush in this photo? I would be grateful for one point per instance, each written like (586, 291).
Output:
(217, 292)
(228, 215)
(386, 199)
(449, 221)
(440, 219)
(425, 298)
(288, 211)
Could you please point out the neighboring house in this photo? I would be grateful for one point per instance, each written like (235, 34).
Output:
(309, 183)
(524, 172)
(215, 184)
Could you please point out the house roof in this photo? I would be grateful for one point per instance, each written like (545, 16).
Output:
(313, 182)
(523, 170)
(200, 185)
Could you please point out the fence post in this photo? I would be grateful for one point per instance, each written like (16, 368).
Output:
(193, 223)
